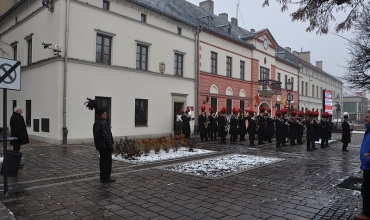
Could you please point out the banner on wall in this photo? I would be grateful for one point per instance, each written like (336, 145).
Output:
(328, 101)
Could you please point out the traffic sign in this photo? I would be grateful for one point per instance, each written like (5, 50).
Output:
(10, 74)
(289, 97)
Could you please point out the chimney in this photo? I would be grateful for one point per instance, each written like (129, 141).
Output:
(306, 56)
(224, 16)
(207, 6)
(234, 21)
(319, 64)
(253, 30)
(288, 49)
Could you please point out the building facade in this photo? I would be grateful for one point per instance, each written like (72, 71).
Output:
(355, 104)
(313, 80)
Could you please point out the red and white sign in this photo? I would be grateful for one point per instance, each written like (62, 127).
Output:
(328, 101)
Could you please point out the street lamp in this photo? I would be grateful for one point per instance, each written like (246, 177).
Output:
(337, 101)
(289, 89)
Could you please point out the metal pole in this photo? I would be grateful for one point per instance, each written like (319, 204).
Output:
(5, 151)
(65, 130)
(289, 104)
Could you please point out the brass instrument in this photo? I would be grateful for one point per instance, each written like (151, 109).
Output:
(207, 122)
(216, 114)
(257, 125)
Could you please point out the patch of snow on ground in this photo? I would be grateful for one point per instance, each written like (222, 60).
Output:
(358, 132)
(163, 155)
(223, 165)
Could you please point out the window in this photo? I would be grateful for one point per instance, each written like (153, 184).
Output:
(320, 92)
(292, 80)
(349, 106)
(306, 92)
(228, 66)
(242, 69)
(302, 88)
(143, 18)
(15, 54)
(313, 91)
(103, 49)
(104, 102)
(214, 103)
(214, 62)
(278, 77)
(141, 57)
(264, 75)
(29, 52)
(14, 105)
(28, 113)
(178, 64)
(141, 112)
(229, 103)
(242, 104)
(285, 80)
(317, 91)
(179, 30)
(106, 5)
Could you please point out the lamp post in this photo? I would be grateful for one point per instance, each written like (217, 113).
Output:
(337, 105)
(289, 89)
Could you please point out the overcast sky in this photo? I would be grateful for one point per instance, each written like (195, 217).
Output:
(330, 49)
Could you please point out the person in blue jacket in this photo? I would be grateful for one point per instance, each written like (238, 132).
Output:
(365, 166)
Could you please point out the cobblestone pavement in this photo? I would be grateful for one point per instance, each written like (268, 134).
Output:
(62, 182)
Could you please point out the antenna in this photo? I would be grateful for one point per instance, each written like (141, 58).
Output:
(237, 9)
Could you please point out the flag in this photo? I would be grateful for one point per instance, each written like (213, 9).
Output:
(257, 98)
(283, 101)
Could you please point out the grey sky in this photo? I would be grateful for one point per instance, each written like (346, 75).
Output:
(330, 49)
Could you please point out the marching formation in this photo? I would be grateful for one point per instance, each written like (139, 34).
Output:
(213, 125)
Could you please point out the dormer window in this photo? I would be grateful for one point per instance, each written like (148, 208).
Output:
(143, 18)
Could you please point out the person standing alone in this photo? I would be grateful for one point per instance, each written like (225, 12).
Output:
(18, 129)
(346, 133)
(365, 166)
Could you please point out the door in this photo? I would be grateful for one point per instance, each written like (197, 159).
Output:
(177, 107)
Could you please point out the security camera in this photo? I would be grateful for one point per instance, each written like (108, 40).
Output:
(46, 44)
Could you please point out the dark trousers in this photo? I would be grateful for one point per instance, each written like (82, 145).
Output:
(203, 136)
(213, 135)
(187, 135)
(223, 138)
(365, 192)
(299, 140)
(310, 144)
(233, 137)
(269, 138)
(345, 145)
(260, 138)
(283, 141)
(242, 137)
(16, 147)
(105, 163)
(251, 139)
(279, 142)
(292, 141)
(323, 141)
(327, 142)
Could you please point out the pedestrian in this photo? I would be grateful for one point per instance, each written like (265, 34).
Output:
(242, 126)
(234, 125)
(311, 125)
(325, 127)
(270, 129)
(222, 125)
(18, 129)
(103, 140)
(365, 166)
(185, 123)
(251, 117)
(279, 128)
(346, 133)
(293, 126)
(300, 128)
(283, 112)
(212, 127)
(331, 127)
(261, 125)
(203, 124)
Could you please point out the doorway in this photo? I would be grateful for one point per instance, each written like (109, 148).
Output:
(177, 107)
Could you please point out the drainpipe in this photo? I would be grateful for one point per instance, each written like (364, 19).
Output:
(65, 130)
(197, 77)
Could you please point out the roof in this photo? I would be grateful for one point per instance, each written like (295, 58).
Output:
(319, 70)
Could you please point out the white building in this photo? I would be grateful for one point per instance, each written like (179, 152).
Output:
(136, 60)
(312, 81)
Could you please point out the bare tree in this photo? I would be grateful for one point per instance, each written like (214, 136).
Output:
(2, 51)
(320, 12)
(359, 50)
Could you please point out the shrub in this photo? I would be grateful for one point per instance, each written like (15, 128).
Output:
(127, 148)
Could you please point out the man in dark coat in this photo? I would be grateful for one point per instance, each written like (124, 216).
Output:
(212, 127)
(233, 125)
(284, 112)
(203, 124)
(346, 133)
(270, 129)
(185, 124)
(300, 127)
(279, 128)
(18, 129)
(325, 127)
(251, 126)
(293, 126)
(242, 126)
(261, 125)
(103, 141)
(222, 125)
(311, 125)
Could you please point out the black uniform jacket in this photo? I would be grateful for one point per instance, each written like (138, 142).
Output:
(102, 134)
